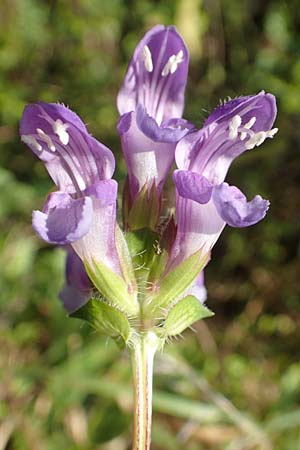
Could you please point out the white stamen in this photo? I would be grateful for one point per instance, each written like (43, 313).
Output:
(60, 129)
(234, 125)
(258, 138)
(172, 64)
(30, 140)
(255, 139)
(248, 125)
(271, 133)
(147, 58)
(44, 137)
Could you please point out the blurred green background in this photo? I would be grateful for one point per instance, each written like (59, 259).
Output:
(235, 383)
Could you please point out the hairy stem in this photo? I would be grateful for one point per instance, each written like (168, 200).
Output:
(143, 353)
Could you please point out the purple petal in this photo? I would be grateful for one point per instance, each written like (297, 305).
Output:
(78, 288)
(192, 185)
(105, 191)
(198, 228)
(233, 128)
(262, 106)
(233, 207)
(181, 124)
(74, 159)
(99, 244)
(64, 219)
(147, 160)
(164, 133)
(156, 76)
(72, 298)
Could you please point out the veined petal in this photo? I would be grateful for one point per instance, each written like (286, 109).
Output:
(78, 287)
(233, 128)
(156, 76)
(74, 159)
(147, 160)
(262, 106)
(192, 185)
(233, 207)
(64, 219)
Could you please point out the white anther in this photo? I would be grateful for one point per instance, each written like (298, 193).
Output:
(234, 125)
(271, 133)
(172, 64)
(30, 140)
(258, 138)
(147, 58)
(60, 129)
(248, 125)
(47, 139)
(251, 143)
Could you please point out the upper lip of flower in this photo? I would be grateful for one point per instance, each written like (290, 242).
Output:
(74, 159)
(156, 76)
(232, 128)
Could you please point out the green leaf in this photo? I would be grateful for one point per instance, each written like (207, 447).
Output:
(113, 288)
(184, 314)
(105, 318)
(176, 282)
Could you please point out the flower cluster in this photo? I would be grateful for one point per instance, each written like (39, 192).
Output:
(152, 269)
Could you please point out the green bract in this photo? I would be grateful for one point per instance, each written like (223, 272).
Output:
(183, 314)
(105, 318)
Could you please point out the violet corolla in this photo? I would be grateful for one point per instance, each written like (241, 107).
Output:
(144, 283)
(205, 203)
(151, 102)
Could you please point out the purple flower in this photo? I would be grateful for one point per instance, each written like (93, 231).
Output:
(77, 290)
(205, 203)
(83, 211)
(151, 103)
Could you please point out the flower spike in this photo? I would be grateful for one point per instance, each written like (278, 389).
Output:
(145, 285)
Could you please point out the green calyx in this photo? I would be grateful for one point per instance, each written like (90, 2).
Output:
(148, 297)
(145, 210)
(113, 288)
(173, 285)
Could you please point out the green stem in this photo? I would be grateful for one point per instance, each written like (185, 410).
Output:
(143, 353)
